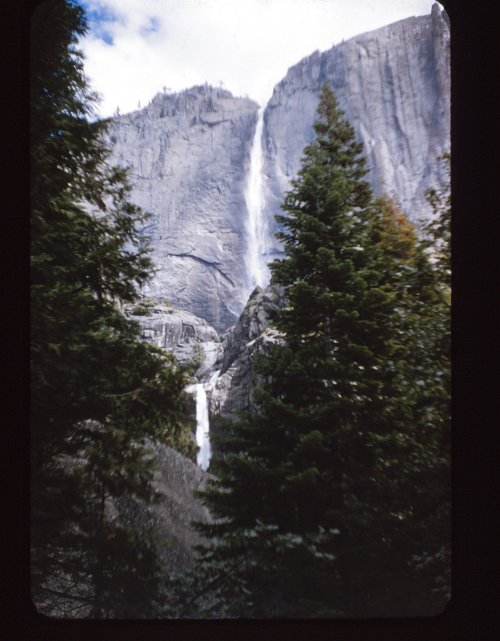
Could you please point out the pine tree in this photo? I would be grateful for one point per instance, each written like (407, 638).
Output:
(428, 374)
(99, 397)
(438, 229)
(311, 520)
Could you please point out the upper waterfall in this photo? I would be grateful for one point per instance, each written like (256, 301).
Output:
(256, 267)
(213, 211)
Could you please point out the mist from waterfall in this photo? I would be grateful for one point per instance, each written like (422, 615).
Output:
(256, 267)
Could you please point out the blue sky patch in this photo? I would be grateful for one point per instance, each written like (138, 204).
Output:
(99, 21)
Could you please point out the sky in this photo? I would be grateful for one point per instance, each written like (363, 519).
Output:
(137, 48)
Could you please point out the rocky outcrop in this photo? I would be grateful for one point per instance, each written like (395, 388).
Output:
(191, 339)
(251, 335)
(166, 525)
(223, 364)
(394, 86)
(197, 346)
(188, 155)
(169, 520)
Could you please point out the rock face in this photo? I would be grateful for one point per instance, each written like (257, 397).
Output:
(195, 343)
(251, 335)
(176, 478)
(189, 154)
(394, 87)
(191, 339)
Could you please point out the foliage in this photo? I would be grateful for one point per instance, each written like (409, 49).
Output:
(438, 229)
(327, 498)
(144, 307)
(197, 360)
(98, 395)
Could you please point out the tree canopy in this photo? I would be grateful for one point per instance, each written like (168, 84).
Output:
(99, 396)
(332, 497)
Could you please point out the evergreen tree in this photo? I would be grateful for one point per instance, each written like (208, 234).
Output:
(311, 520)
(438, 229)
(99, 397)
(428, 330)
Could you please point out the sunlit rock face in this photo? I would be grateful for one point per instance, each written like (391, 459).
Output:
(189, 156)
(190, 339)
(394, 87)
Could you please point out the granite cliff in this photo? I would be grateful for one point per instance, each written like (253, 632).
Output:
(192, 341)
(198, 347)
(189, 154)
(394, 87)
(253, 334)
(169, 520)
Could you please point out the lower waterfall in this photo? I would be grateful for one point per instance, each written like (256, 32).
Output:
(202, 427)
(202, 419)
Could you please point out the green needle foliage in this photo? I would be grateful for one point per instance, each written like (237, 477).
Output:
(99, 396)
(438, 229)
(332, 498)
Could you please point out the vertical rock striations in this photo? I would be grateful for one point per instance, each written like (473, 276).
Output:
(394, 86)
(251, 335)
(189, 156)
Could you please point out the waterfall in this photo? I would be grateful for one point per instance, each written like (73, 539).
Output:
(202, 419)
(213, 379)
(161, 340)
(257, 271)
(202, 427)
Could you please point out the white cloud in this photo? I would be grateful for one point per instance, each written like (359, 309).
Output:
(247, 45)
